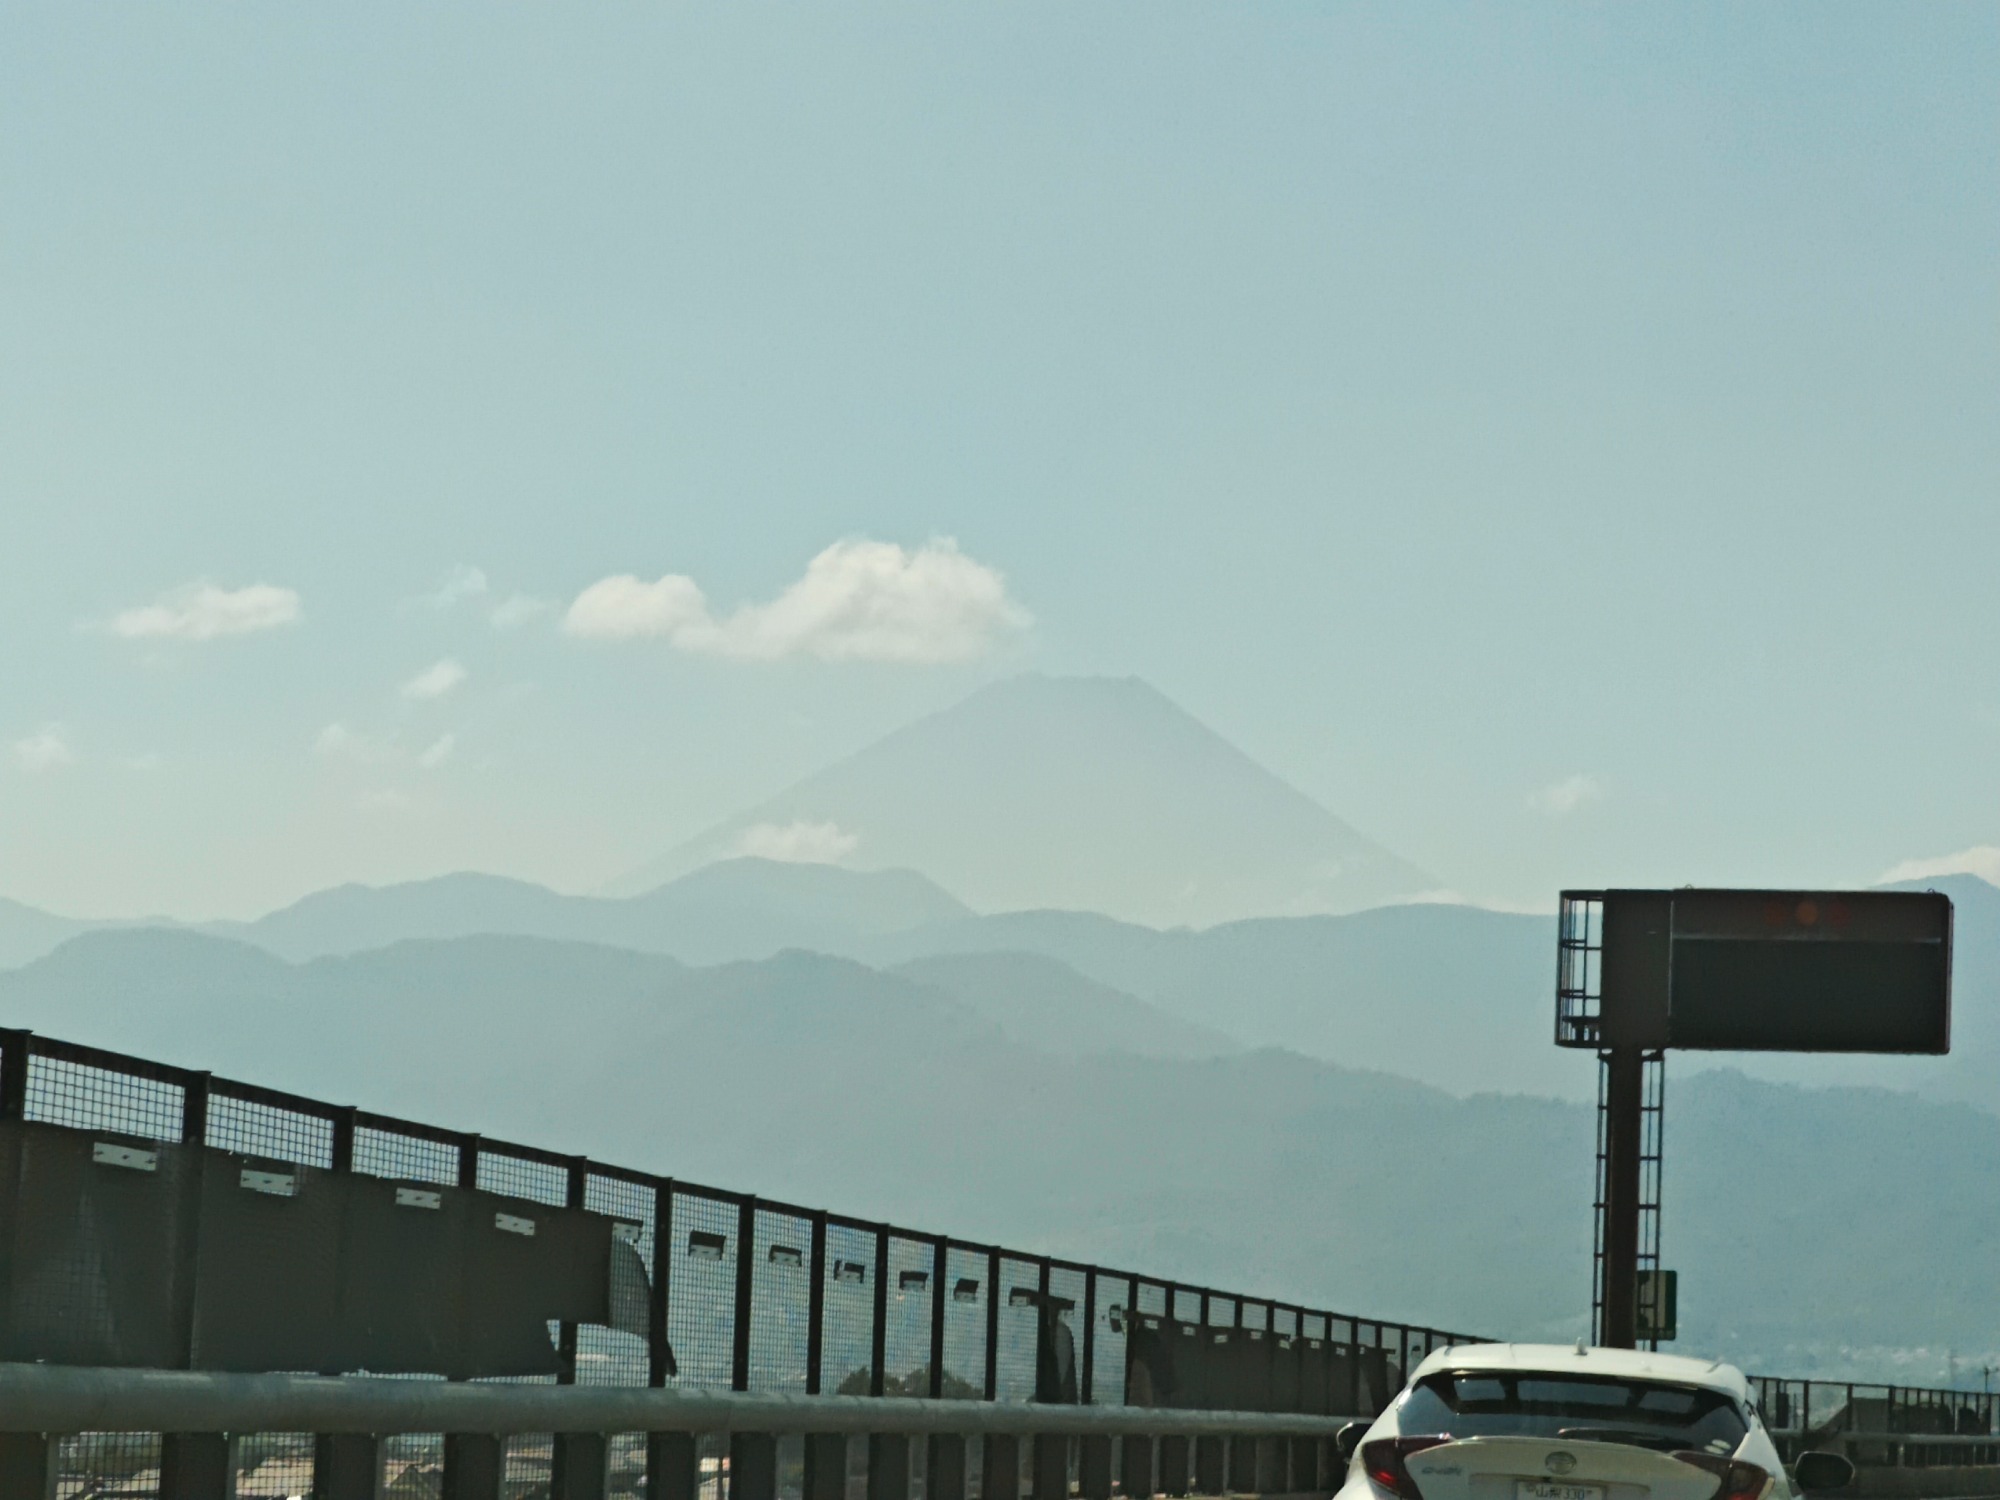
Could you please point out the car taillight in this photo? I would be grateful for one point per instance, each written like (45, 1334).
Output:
(1739, 1480)
(1383, 1460)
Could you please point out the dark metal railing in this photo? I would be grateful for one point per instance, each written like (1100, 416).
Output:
(763, 1445)
(1881, 1425)
(752, 1295)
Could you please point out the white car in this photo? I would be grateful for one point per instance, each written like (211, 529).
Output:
(1555, 1422)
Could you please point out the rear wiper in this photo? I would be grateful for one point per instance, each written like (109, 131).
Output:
(1636, 1437)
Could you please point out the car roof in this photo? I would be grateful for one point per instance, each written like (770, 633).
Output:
(1569, 1359)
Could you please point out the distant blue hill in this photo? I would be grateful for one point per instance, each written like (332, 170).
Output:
(734, 909)
(1454, 996)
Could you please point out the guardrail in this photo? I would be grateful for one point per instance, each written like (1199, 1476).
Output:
(204, 1416)
(1882, 1425)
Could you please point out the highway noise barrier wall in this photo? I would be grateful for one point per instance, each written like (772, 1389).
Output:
(152, 1216)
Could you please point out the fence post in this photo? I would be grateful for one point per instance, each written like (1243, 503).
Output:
(347, 1466)
(579, 1466)
(826, 1466)
(576, 1182)
(940, 1292)
(816, 1305)
(746, 1279)
(672, 1466)
(753, 1466)
(28, 1462)
(1305, 1465)
(1173, 1464)
(1243, 1465)
(1270, 1460)
(1084, 1388)
(878, 1357)
(187, 1239)
(1051, 1466)
(888, 1465)
(1211, 1475)
(15, 1047)
(474, 1464)
(993, 1332)
(1093, 1467)
(944, 1467)
(1000, 1467)
(1135, 1457)
(659, 1351)
(197, 1466)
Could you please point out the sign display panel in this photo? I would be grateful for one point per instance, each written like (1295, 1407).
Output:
(1768, 971)
(1659, 1305)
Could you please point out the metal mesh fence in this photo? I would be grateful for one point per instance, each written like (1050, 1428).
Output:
(847, 1321)
(701, 1317)
(826, 1299)
(780, 1302)
(274, 1466)
(617, 1356)
(269, 1131)
(966, 1294)
(1112, 1312)
(1014, 1362)
(906, 1323)
(404, 1158)
(83, 1096)
(104, 1465)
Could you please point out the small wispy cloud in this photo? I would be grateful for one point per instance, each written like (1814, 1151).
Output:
(517, 610)
(1982, 860)
(857, 601)
(338, 742)
(439, 678)
(1568, 795)
(47, 749)
(466, 584)
(461, 583)
(438, 751)
(798, 843)
(204, 612)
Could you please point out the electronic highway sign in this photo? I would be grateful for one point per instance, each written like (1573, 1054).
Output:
(1756, 971)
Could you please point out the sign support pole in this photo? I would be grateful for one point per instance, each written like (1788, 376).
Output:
(1624, 1105)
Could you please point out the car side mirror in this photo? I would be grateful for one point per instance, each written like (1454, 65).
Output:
(1823, 1471)
(1349, 1438)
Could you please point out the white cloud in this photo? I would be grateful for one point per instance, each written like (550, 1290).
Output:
(858, 601)
(438, 752)
(338, 742)
(435, 681)
(47, 749)
(460, 584)
(622, 608)
(1982, 860)
(202, 612)
(1567, 795)
(799, 843)
(518, 609)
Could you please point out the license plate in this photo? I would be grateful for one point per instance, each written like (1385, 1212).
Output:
(1549, 1489)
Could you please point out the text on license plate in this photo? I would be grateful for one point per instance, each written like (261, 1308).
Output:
(1545, 1489)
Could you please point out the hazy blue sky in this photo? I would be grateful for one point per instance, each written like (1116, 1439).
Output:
(1565, 441)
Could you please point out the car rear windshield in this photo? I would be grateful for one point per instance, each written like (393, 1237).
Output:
(1582, 1408)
